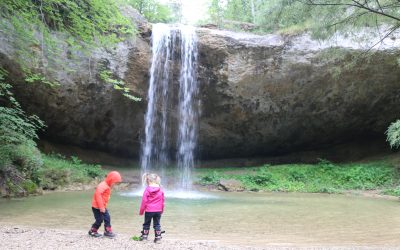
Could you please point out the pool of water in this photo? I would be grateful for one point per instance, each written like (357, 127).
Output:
(258, 219)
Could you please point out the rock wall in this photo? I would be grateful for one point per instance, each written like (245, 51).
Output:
(268, 95)
(85, 110)
(260, 95)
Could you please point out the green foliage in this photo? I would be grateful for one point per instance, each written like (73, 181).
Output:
(393, 134)
(119, 85)
(22, 167)
(42, 30)
(135, 238)
(59, 171)
(156, 12)
(94, 21)
(17, 132)
(210, 179)
(29, 186)
(392, 191)
(19, 158)
(318, 16)
(39, 78)
(52, 178)
(324, 177)
(19, 165)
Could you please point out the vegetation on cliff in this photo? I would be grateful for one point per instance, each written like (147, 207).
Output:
(40, 30)
(23, 169)
(30, 26)
(324, 177)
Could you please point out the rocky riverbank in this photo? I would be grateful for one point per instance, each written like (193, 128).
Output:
(17, 237)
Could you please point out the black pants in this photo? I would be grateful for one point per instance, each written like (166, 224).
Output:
(156, 216)
(100, 217)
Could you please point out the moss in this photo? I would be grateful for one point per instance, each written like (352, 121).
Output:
(35, 29)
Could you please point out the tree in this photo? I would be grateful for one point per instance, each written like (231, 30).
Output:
(323, 17)
(176, 9)
(154, 11)
(365, 13)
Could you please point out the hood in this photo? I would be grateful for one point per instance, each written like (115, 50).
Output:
(113, 177)
(153, 189)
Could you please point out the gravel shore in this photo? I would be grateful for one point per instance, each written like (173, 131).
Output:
(21, 237)
(18, 237)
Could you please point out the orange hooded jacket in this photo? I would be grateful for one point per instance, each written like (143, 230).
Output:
(103, 190)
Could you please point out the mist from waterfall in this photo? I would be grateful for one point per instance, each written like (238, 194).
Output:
(168, 106)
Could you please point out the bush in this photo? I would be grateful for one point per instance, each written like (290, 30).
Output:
(52, 178)
(262, 178)
(19, 157)
(393, 134)
(392, 191)
(29, 186)
(297, 175)
(210, 179)
(323, 177)
(69, 171)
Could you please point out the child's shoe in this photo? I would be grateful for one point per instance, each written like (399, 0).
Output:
(145, 234)
(108, 233)
(158, 237)
(93, 232)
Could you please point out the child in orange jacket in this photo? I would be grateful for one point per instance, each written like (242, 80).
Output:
(99, 205)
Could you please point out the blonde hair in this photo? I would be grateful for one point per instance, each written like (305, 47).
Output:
(151, 178)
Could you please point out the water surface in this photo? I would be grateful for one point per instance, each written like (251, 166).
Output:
(230, 218)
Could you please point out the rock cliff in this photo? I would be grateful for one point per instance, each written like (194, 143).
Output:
(260, 95)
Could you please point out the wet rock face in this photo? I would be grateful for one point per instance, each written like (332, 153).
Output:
(260, 95)
(85, 110)
(88, 112)
(270, 95)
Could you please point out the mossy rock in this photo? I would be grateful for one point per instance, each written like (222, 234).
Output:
(51, 179)
(29, 186)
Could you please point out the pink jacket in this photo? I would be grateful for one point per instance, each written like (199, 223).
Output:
(152, 200)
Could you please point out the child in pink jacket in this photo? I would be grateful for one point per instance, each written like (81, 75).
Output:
(152, 206)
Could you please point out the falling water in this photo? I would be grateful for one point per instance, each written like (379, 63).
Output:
(156, 146)
(188, 108)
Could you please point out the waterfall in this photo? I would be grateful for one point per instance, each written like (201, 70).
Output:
(166, 108)
(188, 110)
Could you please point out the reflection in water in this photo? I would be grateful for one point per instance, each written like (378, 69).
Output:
(234, 218)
